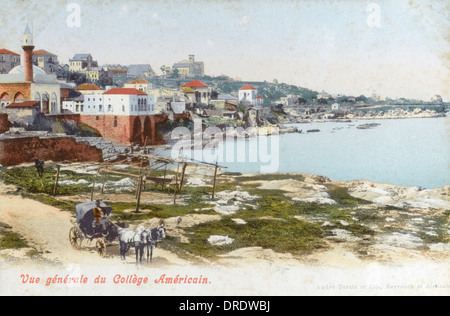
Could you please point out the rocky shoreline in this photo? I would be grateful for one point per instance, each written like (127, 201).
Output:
(298, 116)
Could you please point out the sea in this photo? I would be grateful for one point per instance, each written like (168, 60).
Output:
(405, 152)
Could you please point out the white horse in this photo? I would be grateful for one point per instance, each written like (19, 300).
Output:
(153, 236)
(129, 238)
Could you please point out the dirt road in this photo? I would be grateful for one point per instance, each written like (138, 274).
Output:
(46, 229)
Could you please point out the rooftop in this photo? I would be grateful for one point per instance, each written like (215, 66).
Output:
(43, 52)
(194, 84)
(22, 105)
(124, 91)
(21, 70)
(7, 52)
(188, 90)
(81, 57)
(138, 81)
(88, 86)
(247, 87)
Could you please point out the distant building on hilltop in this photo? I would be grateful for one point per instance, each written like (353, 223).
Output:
(190, 67)
(81, 62)
(437, 98)
(85, 64)
(117, 69)
(142, 70)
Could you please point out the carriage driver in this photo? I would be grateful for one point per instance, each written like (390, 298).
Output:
(99, 211)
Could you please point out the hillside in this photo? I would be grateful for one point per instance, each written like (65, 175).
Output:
(271, 92)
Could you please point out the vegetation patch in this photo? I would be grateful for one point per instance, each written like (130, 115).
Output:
(27, 178)
(270, 177)
(291, 235)
(11, 240)
(341, 196)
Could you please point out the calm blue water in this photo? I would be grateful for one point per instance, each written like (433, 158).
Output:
(407, 152)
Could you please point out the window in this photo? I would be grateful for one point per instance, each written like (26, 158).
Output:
(123, 108)
(109, 108)
(115, 121)
(100, 108)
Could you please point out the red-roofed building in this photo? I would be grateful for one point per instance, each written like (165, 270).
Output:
(22, 112)
(194, 84)
(8, 60)
(45, 60)
(123, 116)
(22, 105)
(259, 100)
(124, 91)
(248, 96)
(202, 93)
(89, 88)
(248, 87)
(139, 84)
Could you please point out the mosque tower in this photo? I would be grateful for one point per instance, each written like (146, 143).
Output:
(28, 47)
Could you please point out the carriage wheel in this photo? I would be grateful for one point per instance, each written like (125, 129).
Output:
(75, 239)
(101, 247)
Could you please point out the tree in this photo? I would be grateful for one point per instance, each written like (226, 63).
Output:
(302, 101)
(175, 74)
(361, 98)
(214, 95)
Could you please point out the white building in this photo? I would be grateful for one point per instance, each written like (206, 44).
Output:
(73, 106)
(248, 96)
(120, 102)
(139, 84)
(335, 107)
(200, 91)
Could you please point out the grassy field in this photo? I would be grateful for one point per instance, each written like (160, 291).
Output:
(271, 220)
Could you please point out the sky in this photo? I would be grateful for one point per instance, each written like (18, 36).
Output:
(395, 48)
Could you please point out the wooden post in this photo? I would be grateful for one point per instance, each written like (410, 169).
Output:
(104, 181)
(141, 181)
(215, 179)
(138, 186)
(93, 185)
(176, 177)
(183, 171)
(165, 174)
(55, 188)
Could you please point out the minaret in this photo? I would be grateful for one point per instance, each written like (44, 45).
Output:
(28, 47)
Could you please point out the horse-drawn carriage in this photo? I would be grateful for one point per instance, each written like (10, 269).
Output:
(87, 226)
(92, 226)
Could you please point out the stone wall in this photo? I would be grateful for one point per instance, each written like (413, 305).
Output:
(17, 150)
(127, 130)
(4, 123)
(13, 88)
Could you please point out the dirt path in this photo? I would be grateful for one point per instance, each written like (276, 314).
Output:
(46, 229)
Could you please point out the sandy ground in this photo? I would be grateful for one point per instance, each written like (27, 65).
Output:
(336, 270)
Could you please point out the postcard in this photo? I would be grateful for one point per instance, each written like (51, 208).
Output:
(224, 148)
